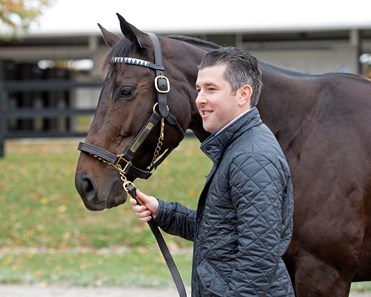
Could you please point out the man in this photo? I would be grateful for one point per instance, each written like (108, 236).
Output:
(243, 222)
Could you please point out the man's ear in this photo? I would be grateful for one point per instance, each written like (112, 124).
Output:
(245, 95)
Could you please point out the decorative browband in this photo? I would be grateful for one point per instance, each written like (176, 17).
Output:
(134, 61)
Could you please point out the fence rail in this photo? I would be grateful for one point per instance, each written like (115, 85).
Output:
(9, 112)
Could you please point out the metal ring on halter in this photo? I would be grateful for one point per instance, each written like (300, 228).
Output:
(154, 107)
(126, 184)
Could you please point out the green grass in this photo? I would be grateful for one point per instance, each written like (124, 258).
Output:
(48, 236)
(137, 267)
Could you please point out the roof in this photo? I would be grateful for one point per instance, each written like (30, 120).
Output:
(207, 16)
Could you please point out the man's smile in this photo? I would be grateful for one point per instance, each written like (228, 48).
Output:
(205, 112)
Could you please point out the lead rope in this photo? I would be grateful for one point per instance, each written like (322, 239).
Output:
(131, 189)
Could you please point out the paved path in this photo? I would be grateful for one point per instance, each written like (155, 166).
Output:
(38, 291)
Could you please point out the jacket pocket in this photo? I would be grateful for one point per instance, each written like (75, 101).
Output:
(211, 280)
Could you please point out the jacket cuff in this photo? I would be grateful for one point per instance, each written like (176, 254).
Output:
(160, 212)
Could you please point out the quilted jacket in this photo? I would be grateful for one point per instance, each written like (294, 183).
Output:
(243, 222)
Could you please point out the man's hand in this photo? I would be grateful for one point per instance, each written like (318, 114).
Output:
(148, 207)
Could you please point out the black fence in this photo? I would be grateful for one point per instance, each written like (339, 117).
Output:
(53, 116)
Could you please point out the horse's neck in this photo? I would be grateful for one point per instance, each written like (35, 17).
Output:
(286, 99)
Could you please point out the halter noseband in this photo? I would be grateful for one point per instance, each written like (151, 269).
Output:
(122, 162)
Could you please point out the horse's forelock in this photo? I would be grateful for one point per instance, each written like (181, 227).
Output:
(122, 48)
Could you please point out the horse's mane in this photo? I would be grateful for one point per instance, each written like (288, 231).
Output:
(206, 45)
(282, 69)
(124, 47)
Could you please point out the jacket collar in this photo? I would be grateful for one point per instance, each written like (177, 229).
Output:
(215, 145)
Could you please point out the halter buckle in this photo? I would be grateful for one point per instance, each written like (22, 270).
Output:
(163, 87)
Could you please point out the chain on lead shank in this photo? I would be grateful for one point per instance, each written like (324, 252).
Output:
(160, 142)
(122, 171)
(125, 182)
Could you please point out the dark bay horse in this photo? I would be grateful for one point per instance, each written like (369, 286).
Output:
(323, 123)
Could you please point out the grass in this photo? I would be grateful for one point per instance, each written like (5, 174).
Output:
(47, 236)
(137, 267)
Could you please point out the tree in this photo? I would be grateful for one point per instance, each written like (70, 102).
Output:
(16, 16)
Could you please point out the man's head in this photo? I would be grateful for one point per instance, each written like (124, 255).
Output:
(228, 84)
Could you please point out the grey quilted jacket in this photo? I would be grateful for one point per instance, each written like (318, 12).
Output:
(243, 223)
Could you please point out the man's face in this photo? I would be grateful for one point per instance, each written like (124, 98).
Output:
(216, 102)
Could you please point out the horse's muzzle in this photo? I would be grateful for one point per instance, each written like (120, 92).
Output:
(97, 201)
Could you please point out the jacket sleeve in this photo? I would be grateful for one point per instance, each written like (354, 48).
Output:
(176, 219)
(257, 187)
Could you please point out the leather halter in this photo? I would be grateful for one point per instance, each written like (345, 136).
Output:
(161, 112)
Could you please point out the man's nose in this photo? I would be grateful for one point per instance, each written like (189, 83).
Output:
(200, 99)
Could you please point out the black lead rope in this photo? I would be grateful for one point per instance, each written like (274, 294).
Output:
(163, 247)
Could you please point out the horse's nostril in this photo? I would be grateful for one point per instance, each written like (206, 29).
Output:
(85, 187)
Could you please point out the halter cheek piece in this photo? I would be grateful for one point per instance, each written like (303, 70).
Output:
(122, 162)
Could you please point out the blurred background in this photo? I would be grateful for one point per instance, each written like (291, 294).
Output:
(51, 50)
(50, 79)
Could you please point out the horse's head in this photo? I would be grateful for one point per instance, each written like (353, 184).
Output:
(140, 116)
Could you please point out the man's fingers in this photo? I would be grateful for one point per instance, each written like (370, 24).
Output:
(144, 214)
(146, 219)
(133, 201)
(140, 207)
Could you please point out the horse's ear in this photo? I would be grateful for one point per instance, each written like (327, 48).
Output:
(109, 37)
(132, 33)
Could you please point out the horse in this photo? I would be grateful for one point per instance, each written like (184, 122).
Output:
(322, 122)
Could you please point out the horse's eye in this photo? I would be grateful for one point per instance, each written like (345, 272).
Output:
(126, 92)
